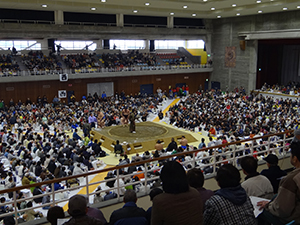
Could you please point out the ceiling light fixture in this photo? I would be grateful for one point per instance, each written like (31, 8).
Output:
(258, 1)
(185, 6)
(147, 3)
(44, 6)
(284, 8)
(172, 13)
(238, 14)
(218, 16)
(135, 11)
(233, 5)
(93, 8)
(213, 8)
(259, 11)
(298, 7)
(194, 14)
(103, 0)
(205, 0)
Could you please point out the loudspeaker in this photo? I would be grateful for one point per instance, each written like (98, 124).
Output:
(242, 45)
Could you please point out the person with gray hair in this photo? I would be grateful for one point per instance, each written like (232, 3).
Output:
(130, 213)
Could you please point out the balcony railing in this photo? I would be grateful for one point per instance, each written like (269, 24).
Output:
(213, 158)
(103, 70)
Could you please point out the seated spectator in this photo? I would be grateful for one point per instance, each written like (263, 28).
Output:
(172, 145)
(255, 184)
(196, 180)
(177, 195)
(273, 173)
(94, 212)
(230, 204)
(118, 149)
(54, 213)
(159, 146)
(154, 192)
(130, 214)
(31, 214)
(77, 210)
(98, 198)
(285, 207)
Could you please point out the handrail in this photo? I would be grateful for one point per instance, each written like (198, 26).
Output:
(103, 70)
(213, 163)
(26, 21)
(55, 180)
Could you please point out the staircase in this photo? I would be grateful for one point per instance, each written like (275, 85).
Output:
(18, 59)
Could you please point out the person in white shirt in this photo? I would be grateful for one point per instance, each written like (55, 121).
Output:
(255, 184)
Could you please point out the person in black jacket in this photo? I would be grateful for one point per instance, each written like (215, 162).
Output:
(129, 213)
(118, 149)
(51, 166)
(172, 146)
(96, 147)
(273, 173)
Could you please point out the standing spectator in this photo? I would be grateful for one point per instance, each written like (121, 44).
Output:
(92, 120)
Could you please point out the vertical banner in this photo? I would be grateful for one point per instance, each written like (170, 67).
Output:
(230, 58)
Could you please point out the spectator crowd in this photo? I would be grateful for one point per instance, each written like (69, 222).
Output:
(36, 147)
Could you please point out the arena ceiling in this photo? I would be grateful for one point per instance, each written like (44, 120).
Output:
(177, 8)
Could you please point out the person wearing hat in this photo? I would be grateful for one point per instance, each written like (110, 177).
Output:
(77, 210)
(273, 173)
(285, 207)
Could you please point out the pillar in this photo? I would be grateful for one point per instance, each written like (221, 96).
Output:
(99, 44)
(170, 22)
(59, 17)
(253, 48)
(120, 20)
(147, 47)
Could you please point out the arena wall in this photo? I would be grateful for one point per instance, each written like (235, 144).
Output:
(130, 85)
(229, 32)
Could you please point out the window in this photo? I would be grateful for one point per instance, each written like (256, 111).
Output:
(126, 44)
(76, 45)
(192, 44)
(20, 45)
(169, 44)
(175, 44)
